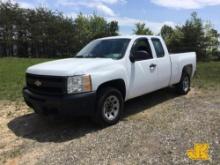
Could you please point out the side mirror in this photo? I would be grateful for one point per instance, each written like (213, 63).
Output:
(139, 55)
(132, 58)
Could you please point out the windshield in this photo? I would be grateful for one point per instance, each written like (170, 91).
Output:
(106, 48)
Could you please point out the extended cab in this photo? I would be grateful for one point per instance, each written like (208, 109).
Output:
(106, 73)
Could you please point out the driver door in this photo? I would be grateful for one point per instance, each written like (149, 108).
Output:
(143, 71)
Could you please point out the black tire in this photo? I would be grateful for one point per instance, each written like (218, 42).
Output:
(183, 87)
(107, 96)
(40, 111)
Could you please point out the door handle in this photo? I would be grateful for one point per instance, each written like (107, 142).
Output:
(152, 66)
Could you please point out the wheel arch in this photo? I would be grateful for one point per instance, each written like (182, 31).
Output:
(119, 84)
(188, 69)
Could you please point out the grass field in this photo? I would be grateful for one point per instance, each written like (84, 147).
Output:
(12, 74)
(207, 75)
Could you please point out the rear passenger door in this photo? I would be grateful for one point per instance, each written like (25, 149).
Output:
(163, 64)
(143, 72)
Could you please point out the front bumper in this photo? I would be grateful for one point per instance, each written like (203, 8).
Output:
(77, 104)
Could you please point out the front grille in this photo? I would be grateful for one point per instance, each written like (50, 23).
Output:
(47, 85)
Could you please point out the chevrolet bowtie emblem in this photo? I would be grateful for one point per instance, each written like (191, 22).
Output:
(38, 83)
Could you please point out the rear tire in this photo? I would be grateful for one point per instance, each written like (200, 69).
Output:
(183, 87)
(109, 107)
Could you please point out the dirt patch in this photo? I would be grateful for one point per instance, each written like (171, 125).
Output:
(10, 144)
(153, 107)
(156, 129)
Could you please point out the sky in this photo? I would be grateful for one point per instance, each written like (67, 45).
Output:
(154, 13)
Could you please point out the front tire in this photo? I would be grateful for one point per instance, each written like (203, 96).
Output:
(110, 105)
(183, 87)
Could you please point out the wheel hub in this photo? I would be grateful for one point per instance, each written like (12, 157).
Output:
(111, 107)
(186, 84)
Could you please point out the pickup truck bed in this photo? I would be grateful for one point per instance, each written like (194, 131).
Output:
(179, 61)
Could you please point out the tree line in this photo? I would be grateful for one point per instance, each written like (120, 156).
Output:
(45, 33)
(41, 32)
(194, 35)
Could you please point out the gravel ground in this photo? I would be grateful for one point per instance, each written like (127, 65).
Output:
(156, 129)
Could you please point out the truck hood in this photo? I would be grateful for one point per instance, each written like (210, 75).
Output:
(70, 66)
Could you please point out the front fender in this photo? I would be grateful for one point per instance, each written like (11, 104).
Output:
(108, 73)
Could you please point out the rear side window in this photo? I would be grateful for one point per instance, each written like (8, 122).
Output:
(158, 47)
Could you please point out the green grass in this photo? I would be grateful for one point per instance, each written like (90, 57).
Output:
(207, 75)
(12, 74)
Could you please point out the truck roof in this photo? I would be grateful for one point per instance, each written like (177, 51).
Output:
(130, 36)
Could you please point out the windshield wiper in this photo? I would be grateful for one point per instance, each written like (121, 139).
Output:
(79, 56)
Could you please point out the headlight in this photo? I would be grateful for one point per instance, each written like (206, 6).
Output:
(77, 84)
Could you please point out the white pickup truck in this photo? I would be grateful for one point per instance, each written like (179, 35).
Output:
(106, 73)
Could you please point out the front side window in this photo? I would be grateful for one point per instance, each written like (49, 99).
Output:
(158, 47)
(142, 45)
(106, 48)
